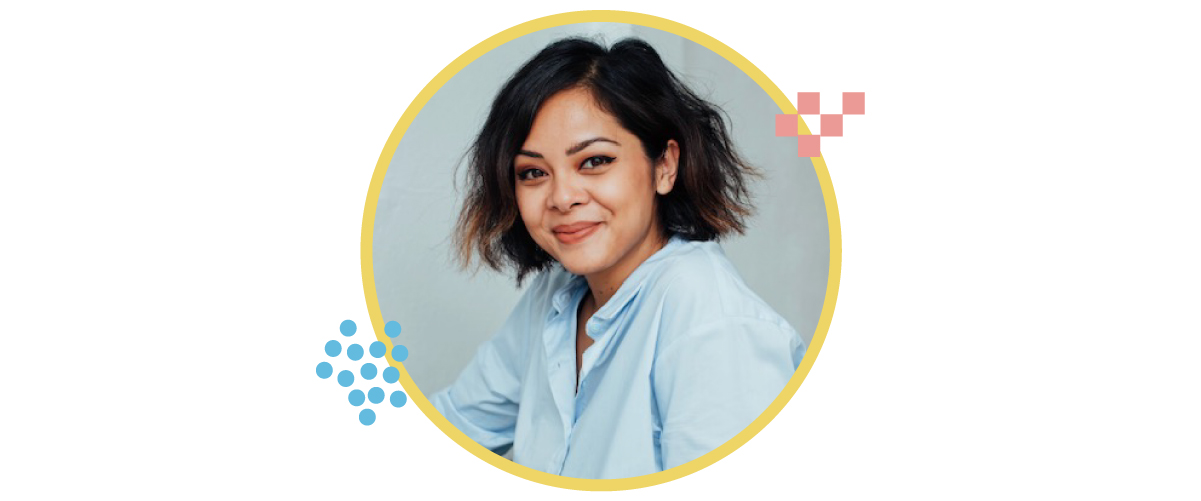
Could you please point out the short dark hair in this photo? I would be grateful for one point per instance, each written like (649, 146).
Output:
(630, 82)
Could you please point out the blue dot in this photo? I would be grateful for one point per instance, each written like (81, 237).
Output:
(399, 353)
(392, 329)
(333, 348)
(375, 395)
(345, 378)
(325, 370)
(348, 328)
(398, 399)
(391, 375)
(377, 349)
(356, 398)
(354, 351)
(368, 371)
(367, 416)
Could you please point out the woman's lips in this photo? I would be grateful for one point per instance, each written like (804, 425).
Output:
(575, 233)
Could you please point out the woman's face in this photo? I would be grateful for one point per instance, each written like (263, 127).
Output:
(586, 189)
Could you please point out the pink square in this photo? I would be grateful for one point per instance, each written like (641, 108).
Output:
(808, 103)
(852, 103)
(786, 125)
(809, 146)
(832, 125)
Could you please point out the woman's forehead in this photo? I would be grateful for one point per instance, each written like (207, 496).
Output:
(570, 118)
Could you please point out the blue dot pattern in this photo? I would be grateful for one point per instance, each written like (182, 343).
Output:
(345, 378)
(398, 399)
(325, 370)
(392, 329)
(333, 348)
(368, 371)
(391, 375)
(377, 349)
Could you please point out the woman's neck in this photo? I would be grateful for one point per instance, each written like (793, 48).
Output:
(604, 284)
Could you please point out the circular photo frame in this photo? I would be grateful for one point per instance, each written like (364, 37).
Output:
(411, 209)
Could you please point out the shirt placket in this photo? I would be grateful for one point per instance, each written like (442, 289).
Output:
(560, 367)
(598, 330)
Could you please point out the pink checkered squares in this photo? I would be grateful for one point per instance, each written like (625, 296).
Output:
(852, 103)
(787, 125)
(832, 125)
(809, 146)
(809, 103)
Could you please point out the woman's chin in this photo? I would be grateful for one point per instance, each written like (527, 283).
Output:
(580, 267)
(580, 258)
(580, 262)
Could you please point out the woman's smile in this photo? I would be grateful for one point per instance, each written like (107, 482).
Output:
(586, 190)
(575, 233)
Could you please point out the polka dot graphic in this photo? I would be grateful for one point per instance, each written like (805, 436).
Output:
(368, 399)
(377, 349)
(391, 375)
(333, 348)
(325, 370)
(392, 329)
(398, 399)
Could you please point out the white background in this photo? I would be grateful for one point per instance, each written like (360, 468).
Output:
(181, 201)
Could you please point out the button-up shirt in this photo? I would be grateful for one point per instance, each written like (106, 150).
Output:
(684, 356)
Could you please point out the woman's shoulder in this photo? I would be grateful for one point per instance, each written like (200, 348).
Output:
(703, 298)
(700, 280)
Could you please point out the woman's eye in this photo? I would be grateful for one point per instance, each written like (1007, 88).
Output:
(528, 174)
(597, 161)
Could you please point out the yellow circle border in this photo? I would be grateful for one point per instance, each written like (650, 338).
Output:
(377, 181)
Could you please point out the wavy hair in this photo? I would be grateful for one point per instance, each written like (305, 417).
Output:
(630, 82)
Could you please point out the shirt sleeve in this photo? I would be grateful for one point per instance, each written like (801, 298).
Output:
(712, 383)
(482, 403)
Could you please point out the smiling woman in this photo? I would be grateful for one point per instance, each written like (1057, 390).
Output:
(637, 347)
(591, 187)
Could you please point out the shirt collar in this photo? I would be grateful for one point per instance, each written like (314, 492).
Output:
(568, 295)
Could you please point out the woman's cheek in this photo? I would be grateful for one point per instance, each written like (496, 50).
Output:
(531, 215)
(524, 207)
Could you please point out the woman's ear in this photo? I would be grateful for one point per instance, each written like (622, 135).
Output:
(667, 167)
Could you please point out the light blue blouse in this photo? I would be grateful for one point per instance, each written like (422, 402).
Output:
(684, 357)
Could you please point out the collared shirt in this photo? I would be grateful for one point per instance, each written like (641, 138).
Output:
(684, 356)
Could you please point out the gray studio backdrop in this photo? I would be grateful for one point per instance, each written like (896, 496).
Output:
(445, 312)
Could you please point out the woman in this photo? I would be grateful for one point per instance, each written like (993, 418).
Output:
(637, 347)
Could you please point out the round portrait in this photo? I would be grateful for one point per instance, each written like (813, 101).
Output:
(605, 262)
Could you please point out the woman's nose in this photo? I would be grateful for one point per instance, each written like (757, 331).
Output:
(567, 192)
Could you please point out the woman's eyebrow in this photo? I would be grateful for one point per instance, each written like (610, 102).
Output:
(584, 144)
(578, 147)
